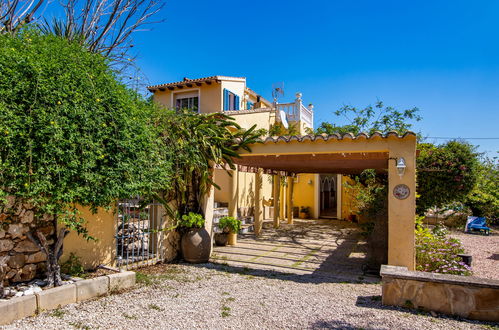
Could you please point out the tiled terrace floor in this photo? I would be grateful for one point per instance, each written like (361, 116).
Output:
(330, 247)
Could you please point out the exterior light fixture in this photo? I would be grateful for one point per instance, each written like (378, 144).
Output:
(401, 166)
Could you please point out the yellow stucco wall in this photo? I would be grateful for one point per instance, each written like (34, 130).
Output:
(93, 253)
(262, 119)
(304, 192)
(210, 97)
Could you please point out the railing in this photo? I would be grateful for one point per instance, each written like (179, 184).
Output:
(296, 111)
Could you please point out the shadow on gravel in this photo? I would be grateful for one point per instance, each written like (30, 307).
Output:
(334, 324)
(315, 278)
(374, 302)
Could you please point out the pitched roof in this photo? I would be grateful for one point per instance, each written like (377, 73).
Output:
(328, 137)
(187, 81)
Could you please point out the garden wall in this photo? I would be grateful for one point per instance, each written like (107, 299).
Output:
(24, 258)
(469, 297)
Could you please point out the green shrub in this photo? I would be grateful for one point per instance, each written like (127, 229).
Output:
(73, 266)
(231, 224)
(191, 220)
(437, 253)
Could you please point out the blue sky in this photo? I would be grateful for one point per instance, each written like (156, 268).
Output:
(440, 56)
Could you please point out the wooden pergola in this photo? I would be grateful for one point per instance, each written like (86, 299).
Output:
(341, 154)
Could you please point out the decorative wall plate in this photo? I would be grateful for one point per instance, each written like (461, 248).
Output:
(401, 191)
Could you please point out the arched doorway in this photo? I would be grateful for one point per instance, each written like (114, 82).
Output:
(328, 196)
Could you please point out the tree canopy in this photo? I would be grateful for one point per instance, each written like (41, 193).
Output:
(377, 118)
(446, 173)
(70, 133)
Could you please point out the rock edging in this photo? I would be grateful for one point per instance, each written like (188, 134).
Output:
(20, 307)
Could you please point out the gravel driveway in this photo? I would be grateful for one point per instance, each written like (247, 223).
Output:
(485, 252)
(220, 297)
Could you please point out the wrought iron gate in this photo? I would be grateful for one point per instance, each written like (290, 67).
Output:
(139, 233)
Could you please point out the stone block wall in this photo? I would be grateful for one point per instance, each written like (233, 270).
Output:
(23, 258)
(469, 297)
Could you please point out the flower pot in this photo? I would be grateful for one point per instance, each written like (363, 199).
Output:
(231, 238)
(303, 215)
(196, 245)
(221, 239)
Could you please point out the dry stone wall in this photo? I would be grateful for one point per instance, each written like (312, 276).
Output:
(469, 297)
(22, 258)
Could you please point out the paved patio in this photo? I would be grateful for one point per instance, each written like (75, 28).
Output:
(330, 247)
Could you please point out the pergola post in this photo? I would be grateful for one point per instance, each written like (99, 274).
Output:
(401, 212)
(276, 193)
(289, 203)
(258, 207)
(234, 196)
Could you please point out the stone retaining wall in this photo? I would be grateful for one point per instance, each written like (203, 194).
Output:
(24, 258)
(469, 297)
(20, 307)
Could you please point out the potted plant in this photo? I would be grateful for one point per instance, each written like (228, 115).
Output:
(196, 241)
(304, 212)
(230, 226)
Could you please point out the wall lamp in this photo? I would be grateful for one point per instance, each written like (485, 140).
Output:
(401, 166)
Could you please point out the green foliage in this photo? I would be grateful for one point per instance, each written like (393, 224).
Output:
(437, 253)
(305, 209)
(231, 224)
(369, 192)
(483, 200)
(70, 133)
(191, 220)
(379, 118)
(195, 143)
(279, 130)
(446, 173)
(73, 266)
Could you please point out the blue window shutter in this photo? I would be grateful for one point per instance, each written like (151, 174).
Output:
(237, 102)
(226, 99)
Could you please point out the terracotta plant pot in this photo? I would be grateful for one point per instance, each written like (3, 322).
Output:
(232, 238)
(196, 245)
(221, 239)
(303, 215)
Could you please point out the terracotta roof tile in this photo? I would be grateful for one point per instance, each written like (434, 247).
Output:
(336, 136)
(189, 81)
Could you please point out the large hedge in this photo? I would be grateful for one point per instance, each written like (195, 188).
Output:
(69, 131)
(446, 173)
(71, 134)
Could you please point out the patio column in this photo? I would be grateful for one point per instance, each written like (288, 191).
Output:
(401, 212)
(289, 203)
(276, 193)
(258, 202)
(233, 193)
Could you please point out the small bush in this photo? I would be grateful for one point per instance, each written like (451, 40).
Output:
(73, 266)
(191, 220)
(230, 223)
(437, 253)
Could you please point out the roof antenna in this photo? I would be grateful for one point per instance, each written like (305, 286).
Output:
(277, 91)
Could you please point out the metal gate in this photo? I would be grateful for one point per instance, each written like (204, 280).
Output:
(139, 233)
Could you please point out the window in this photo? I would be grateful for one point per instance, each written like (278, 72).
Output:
(231, 101)
(187, 103)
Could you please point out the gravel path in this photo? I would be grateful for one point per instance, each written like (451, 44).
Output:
(221, 297)
(485, 252)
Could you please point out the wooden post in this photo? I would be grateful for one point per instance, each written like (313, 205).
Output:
(276, 193)
(233, 193)
(289, 203)
(258, 202)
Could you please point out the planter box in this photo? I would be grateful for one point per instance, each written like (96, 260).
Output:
(17, 308)
(56, 297)
(92, 288)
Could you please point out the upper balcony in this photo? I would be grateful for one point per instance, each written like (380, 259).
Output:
(296, 111)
